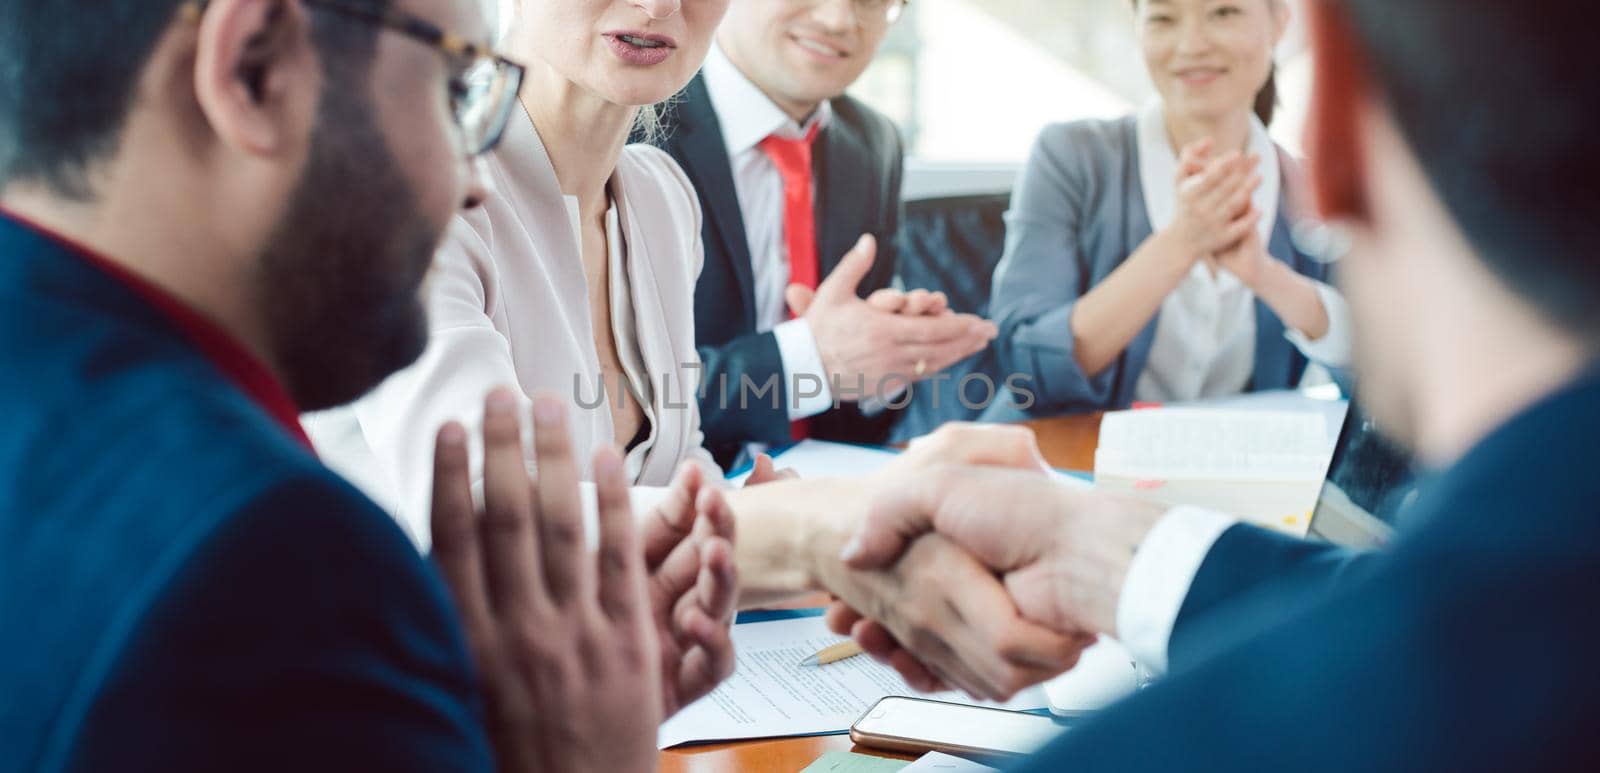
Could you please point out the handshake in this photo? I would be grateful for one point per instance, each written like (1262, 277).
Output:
(962, 565)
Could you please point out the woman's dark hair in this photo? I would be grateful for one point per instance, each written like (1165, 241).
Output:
(1266, 105)
(1267, 98)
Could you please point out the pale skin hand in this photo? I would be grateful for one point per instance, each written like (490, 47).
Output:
(693, 588)
(766, 471)
(912, 303)
(889, 341)
(1214, 213)
(954, 609)
(1292, 297)
(563, 639)
(1063, 553)
(949, 607)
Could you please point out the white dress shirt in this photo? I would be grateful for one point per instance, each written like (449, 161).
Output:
(747, 117)
(1205, 337)
(508, 306)
(1158, 580)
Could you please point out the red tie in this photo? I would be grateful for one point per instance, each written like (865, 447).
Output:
(793, 160)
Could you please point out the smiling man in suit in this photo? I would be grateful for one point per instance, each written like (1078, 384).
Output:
(801, 190)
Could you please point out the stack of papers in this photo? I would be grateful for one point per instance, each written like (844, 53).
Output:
(1266, 467)
(771, 695)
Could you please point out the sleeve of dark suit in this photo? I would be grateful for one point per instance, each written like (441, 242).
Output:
(1252, 566)
(1443, 660)
(745, 399)
(892, 214)
(306, 635)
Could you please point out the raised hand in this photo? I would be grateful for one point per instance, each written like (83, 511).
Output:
(565, 648)
(888, 342)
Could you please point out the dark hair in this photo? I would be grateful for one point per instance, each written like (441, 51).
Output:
(1267, 98)
(69, 70)
(1266, 104)
(1497, 102)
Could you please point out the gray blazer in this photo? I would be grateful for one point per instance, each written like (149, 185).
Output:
(1077, 213)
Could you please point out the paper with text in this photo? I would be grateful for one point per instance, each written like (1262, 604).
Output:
(771, 695)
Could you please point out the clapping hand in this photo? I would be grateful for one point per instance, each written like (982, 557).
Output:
(1214, 209)
(891, 340)
(693, 587)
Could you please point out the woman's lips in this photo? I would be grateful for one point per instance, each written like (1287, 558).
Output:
(641, 49)
(1200, 76)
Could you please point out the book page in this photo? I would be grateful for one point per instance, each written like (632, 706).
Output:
(1192, 444)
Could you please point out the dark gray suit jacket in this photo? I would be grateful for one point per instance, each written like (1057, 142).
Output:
(859, 163)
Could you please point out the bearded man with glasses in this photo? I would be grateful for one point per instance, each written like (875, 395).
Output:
(215, 215)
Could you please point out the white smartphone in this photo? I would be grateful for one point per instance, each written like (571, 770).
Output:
(915, 725)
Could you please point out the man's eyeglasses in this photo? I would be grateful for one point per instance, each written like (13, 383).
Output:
(483, 84)
(869, 11)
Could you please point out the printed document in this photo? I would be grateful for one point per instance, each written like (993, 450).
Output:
(771, 695)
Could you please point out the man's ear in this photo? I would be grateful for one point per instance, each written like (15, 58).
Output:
(1341, 93)
(256, 75)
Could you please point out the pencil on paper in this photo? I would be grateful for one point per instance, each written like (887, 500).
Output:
(841, 651)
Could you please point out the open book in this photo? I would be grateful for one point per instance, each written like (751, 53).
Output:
(1266, 467)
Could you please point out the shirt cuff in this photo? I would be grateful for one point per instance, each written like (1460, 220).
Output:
(1333, 349)
(1159, 578)
(803, 373)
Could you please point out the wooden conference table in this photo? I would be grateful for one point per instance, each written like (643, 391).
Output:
(1068, 443)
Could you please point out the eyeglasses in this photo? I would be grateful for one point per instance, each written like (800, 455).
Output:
(869, 11)
(483, 84)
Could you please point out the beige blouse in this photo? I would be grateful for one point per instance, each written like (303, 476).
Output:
(508, 306)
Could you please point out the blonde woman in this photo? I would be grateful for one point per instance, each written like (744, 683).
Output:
(576, 277)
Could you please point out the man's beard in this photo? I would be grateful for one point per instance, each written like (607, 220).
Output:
(341, 277)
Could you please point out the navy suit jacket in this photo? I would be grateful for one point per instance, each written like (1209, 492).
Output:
(182, 585)
(1467, 645)
(858, 162)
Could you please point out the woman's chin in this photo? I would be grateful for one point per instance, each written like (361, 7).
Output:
(643, 90)
(1206, 110)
